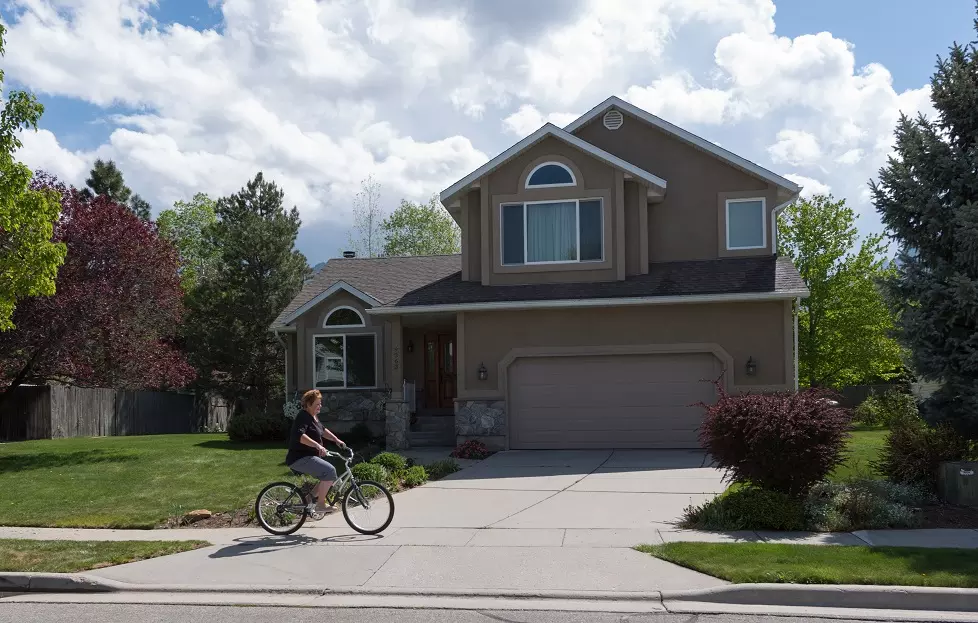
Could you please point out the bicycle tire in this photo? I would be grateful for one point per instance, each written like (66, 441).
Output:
(346, 501)
(261, 519)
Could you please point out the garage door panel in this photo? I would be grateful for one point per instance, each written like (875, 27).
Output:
(610, 401)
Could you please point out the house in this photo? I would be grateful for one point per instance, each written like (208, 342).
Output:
(610, 270)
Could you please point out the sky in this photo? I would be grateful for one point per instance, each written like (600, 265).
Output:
(198, 96)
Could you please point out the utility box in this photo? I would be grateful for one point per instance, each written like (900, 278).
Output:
(957, 482)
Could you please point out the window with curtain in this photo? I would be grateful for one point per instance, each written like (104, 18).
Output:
(345, 361)
(745, 224)
(553, 231)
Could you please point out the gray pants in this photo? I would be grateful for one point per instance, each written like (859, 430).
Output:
(315, 466)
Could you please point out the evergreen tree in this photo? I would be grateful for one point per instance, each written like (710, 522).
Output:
(927, 196)
(105, 180)
(258, 272)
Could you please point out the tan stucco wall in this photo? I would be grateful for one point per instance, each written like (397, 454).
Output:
(471, 236)
(687, 224)
(755, 329)
(506, 185)
(633, 229)
(311, 323)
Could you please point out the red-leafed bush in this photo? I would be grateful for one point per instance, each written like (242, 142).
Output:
(783, 442)
(472, 449)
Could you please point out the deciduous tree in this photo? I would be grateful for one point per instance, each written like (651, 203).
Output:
(185, 226)
(366, 238)
(421, 229)
(844, 327)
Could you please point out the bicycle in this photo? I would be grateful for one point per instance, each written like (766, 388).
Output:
(288, 514)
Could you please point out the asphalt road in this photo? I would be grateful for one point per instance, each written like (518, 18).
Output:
(118, 613)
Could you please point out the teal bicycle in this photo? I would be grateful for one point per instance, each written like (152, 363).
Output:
(368, 507)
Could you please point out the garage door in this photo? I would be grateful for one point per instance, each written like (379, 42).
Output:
(609, 401)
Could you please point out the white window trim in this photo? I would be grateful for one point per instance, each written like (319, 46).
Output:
(763, 222)
(344, 336)
(563, 166)
(363, 323)
(502, 250)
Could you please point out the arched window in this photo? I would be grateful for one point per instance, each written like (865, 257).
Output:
(549, 175)
(344, 317)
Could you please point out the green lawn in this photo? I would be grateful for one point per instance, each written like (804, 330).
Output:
(864, 447)
(824, 564)
(23, 555)
(130, 482)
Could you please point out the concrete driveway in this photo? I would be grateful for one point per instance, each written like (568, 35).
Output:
(535, 520)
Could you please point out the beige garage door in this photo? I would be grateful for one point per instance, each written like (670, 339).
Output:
(609, 401)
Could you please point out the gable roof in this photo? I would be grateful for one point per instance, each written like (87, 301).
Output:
(380, 280)
(689, 137)
(549, 129)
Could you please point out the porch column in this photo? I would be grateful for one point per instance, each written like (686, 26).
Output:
(397, 412)
(397, 359)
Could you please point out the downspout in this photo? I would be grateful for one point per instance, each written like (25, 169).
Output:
(797, 311)
(286, 349)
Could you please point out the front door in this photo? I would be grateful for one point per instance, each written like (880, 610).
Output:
(439, 370)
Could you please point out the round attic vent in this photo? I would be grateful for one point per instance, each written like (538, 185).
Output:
(613, 119)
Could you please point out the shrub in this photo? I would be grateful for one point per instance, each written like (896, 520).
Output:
(254, 425)
(472, 449)
(784, 442)
(914, 450)
(415, 476)
(864, 504)
(393, 463)
(747, 508)
(886, 409)
(440, 469)
(371, 471)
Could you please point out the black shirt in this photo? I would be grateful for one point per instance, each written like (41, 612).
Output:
(304, 424)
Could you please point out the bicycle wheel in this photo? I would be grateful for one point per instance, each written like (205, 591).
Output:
(281, 508)
(368, 507)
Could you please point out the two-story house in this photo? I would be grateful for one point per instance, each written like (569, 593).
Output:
(610, 270)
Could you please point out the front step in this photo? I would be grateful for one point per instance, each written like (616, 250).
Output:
(432, 439)
(433, 424)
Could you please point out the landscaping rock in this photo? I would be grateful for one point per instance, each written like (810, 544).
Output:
(197, 515)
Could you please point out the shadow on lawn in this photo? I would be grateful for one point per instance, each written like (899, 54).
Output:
(27, 462)
(929, 561)
(227, 444)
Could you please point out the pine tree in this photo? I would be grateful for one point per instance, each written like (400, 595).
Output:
(258, 272)
(927, 196)
(105, 179)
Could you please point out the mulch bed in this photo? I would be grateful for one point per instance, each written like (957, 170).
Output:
(236, 519)
(947, 516)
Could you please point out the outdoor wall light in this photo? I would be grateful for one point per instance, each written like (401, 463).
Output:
(410, 346)
(751, 366)
(483, 373)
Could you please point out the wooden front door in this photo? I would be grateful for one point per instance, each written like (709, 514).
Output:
(439, 370)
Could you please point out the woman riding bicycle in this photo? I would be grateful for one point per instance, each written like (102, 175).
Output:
(306, 450)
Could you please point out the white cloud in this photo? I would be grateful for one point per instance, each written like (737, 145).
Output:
(796, 147)
(809, 186)
(321, 94)
(528, 119)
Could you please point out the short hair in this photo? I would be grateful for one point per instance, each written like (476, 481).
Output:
(310, 397)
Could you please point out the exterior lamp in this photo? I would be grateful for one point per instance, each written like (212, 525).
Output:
(410, 346)
(751, 366)
(483, 373)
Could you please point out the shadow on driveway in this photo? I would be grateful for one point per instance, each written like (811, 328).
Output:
(247, 546)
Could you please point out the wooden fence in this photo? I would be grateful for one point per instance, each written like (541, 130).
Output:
(55, 411)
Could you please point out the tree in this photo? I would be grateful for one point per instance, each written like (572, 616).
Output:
(421, 229)
(116, 309)
(29, 260)
(927, 197)
(367, 218)
(185, 227)
(105, 180)
(258, 273)
(844, 327)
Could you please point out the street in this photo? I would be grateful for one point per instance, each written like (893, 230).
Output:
(119, 613)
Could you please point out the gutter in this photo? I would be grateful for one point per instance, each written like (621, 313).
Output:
(583, 303)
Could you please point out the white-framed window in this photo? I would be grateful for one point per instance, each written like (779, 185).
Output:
(343, 317)
(552, 232)
(550, 175)
(746, 225)
(344, 361)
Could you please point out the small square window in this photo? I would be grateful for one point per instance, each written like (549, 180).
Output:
(745, 224)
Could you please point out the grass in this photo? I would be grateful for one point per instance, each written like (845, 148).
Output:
(824, 564)
(131, 482)
(23, 555)
(864, 446)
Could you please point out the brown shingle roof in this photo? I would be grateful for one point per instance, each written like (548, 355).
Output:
(437, 280)
(386, 279)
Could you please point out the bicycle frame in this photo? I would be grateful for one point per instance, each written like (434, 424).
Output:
(339, 485)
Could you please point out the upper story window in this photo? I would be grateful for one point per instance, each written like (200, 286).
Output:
(746, 225)
(552, 232)
(344, 317)
(550, 175)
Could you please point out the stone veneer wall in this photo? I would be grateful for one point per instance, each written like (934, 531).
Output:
(484, 420)
(342, 410)
(397, 425)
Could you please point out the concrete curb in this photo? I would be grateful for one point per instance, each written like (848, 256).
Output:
(869, 597)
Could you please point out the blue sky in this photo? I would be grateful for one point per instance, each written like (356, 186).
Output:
(417, 94)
